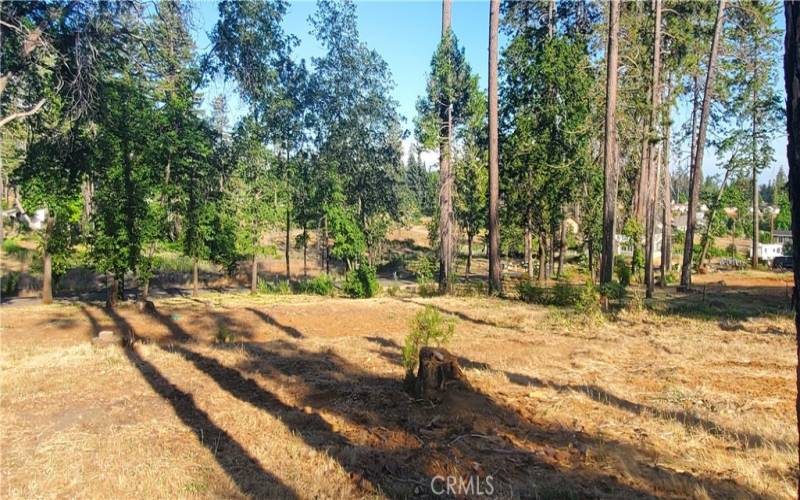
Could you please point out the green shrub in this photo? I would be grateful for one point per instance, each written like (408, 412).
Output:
(423, 269)
(10, 284)
(613, 291)
(321, 285)
(588, 301)
(225, 335)
(361, 283)
(529, 292)
(427, 327)
(12, 247)
(393, 291)
(276, 288)
(622, 270)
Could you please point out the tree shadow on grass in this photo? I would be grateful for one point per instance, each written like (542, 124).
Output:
(249, 476)
(266, 318)
(600, 395)
(716, 301)
(460, 315)
(394, 445)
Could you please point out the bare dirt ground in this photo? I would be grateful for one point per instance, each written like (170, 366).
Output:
(692, 400)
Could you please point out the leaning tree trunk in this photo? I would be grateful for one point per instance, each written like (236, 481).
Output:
(610, 172)
(791, 70)
(495, 279)
(697, 166)
(653, 170)
(710, 222)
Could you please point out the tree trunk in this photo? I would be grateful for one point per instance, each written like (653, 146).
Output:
(562, 249)
(791, 68)
(495, 282)
(195, 287)
(707, 236)
(542, 264)
(288, 229)
(470, 237)
(112, 292)
(610, 171)
(446, 217)
(145, 289)
(697, 166)
(47, 278)
(254, 275)
(2, 196)
(551, 252)
(327, 249)
(666, 218)
(305, 250)
(528, 248)
(653, 169)
(754, 261)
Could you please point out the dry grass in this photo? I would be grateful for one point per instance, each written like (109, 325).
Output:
(308, 402)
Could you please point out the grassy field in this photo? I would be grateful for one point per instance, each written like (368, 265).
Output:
(690, 397)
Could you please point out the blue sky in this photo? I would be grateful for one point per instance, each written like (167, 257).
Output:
(405, 33)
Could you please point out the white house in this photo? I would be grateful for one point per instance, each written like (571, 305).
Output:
(767, 251)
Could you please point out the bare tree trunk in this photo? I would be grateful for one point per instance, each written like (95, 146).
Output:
(112, 291)
(666, 218)
(551, 252)
(562, 249)
(791, 68)
(288, 228)
(446, 217)
(305, 250)
(610, 171)
(195, 285)
(470, 237)
(254, 275)
(653, 170)
(528, 249)
(327, 250)
(542, 264)
(754, 262)
(47, 278)
(551, 17)
(2, 195)
(697, 167)
(495, 280)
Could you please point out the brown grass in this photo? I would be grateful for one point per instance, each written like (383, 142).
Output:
(307, 401)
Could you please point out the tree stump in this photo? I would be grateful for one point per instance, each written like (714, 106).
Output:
(145, 307)
(437, 370)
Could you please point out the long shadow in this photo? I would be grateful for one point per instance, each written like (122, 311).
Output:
(396, 444)
(600, 395)
(460, 315)
(446, 432)
(241, 467)
(266, 318)
(716, 302)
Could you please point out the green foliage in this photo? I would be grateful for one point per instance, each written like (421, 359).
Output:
(361, 283)
(320, 285)
(10, 284)
(428, 327)
(225, 335)
(273, 288)
(622, 270)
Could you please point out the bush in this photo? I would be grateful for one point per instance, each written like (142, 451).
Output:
(529, 292)
(10, 284)
(393, 291)
(361, 283)
(224, 335)
(613, 291)
(428, 327)
(588, 298)
(276, 288)
(321, 285)
(622, 270)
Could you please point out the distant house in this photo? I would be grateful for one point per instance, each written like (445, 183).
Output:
(782, 237)
(767, 251)
(623, 246)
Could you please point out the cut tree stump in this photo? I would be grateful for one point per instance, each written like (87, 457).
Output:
(437, 370)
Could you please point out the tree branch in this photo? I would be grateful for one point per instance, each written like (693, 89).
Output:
(22, 114)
